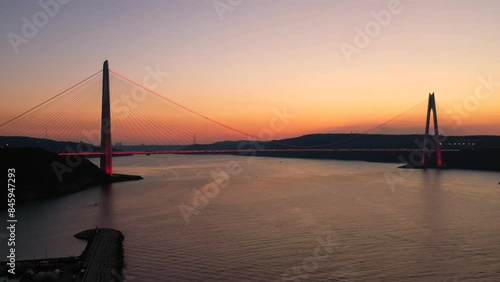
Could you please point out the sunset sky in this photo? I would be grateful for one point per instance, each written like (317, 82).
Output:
(238, 61)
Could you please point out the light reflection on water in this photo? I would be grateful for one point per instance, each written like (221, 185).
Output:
(435, 225)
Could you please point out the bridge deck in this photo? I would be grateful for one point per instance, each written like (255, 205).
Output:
(119, 153)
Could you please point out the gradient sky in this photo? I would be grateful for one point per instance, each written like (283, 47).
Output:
(265, 55)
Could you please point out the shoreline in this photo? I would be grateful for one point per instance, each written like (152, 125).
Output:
(477, 160)
(101, 260)
(41, 174)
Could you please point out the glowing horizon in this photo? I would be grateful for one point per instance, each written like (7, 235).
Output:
(262, 57)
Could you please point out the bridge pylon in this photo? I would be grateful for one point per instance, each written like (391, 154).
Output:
(428, 141)
(106, 145)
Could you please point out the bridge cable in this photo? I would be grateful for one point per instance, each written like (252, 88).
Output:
(43, 103)
(251, 135)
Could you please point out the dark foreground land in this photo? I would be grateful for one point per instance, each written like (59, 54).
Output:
(102, 260)
(42, 174)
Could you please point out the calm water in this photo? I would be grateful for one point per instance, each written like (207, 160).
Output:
(281, 220)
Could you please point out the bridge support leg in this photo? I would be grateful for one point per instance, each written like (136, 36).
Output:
(106, 145)
(431, 107)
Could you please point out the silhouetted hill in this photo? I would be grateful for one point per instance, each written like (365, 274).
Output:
(464, 152)
(43, 174)
(355, 141)
(68, 146)
(323, 141)
(47, 144)
(474, 152)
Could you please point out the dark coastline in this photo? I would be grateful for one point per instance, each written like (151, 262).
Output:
(479, 152)
(41, 174)
(102, 260)
(473, 159)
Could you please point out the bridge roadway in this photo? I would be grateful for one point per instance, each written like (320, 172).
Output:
(200, 152)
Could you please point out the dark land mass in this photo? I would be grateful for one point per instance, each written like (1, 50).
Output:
(356, 141)
(474, 159)
(101, 261)
(466, 152)
(68, 146)
(47, 144)
(41, 174)
(478, 152)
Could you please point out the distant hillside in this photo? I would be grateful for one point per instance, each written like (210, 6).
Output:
(47, 144)
(470, 152)
(68, 146)
(357, 141)
(324, 141)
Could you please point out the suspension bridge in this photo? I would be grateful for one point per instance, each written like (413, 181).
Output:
(136, 114)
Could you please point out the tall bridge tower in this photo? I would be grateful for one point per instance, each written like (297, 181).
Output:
(106, 145)
(428, 141)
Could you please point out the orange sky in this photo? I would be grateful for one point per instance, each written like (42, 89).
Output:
(266, 55)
